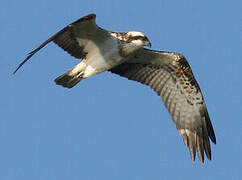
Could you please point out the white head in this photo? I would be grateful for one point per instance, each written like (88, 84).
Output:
(138, 38)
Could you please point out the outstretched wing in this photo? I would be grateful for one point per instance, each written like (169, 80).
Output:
(171, 77)
(75, 38)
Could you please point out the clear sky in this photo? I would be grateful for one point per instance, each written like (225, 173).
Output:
(109, 128)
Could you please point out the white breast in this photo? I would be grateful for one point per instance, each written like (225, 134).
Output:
(102, 56)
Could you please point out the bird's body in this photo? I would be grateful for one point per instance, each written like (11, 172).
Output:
(167, 73)
(101, 50)
(96, 61)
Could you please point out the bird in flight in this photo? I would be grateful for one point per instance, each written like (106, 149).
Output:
(167, 73)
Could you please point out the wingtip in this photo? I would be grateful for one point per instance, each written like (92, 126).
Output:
(196, 146)
(192, 157)
(24, 61)
(201, 160)
(213, 139)
(15, 72)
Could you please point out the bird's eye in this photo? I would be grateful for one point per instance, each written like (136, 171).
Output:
(139, 38)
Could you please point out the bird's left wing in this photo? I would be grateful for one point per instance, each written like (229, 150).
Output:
(170, 75)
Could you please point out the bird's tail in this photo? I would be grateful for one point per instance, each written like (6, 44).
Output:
(69, 79)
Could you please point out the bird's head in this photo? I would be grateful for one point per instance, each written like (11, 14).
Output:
(138, 38)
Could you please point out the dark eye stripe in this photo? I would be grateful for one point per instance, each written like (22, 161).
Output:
(138, 37)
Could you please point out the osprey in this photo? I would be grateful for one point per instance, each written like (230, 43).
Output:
(167, 73)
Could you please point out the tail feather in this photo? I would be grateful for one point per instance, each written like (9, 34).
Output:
(68, 80)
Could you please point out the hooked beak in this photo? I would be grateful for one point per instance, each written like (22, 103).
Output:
(148, 43)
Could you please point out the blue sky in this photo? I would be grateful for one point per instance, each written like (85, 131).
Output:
(108, 127)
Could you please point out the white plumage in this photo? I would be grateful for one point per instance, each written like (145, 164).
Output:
(167, 73)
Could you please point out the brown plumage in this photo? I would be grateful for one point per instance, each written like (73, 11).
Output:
(167, 73)
(171, 77)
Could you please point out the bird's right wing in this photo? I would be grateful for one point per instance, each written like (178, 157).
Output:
(78, 38)
(171, 77)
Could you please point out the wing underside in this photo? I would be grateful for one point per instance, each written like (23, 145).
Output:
(70, 38)
(170, 76)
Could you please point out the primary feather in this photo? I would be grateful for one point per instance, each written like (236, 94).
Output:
(167, 73)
